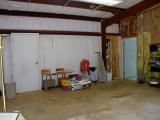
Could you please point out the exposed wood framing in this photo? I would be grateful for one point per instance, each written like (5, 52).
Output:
(145, 4)
(47, 15)
(103, 37)
(75, 4)
(8, 31)
(114, 34)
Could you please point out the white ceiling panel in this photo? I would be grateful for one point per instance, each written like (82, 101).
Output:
(12, 5)
(127, 3)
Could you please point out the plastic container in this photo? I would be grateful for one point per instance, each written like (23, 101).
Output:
(10, 90)
(109, 76)
(84, 66)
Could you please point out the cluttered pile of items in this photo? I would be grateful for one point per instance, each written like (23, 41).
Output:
(68, 80)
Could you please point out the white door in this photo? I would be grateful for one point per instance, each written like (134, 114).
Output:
(25, 61)
(130, 58)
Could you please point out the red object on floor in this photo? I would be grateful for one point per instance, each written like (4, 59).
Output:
(84, 66)
(78, 77)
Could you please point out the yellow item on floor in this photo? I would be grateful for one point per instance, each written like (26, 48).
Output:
(66, 83)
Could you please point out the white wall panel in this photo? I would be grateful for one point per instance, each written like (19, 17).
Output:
(58, 51)
(70, 50)
(46, 51)
(112, 29)
(32, 23)
(67, 51)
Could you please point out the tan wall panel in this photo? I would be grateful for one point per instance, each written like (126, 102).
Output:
(148, 33)
(147, 21)
(116, 51)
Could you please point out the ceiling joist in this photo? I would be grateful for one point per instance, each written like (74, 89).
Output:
(47, 15)
(144, 5)
(8, 31)
(75, 4)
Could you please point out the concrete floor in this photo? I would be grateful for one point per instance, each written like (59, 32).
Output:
(118, 100)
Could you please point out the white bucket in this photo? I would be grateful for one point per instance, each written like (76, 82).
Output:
(109, 76)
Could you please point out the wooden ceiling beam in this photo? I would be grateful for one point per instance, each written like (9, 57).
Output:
(75, 4)
(47, 15)
(145, 4)
(8, 31)
(113, 10)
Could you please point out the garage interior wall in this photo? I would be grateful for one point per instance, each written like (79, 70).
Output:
(116, 50)
(54, 50)
(116, 63)
(148, 33)
(67, 51)
(58, 51)
(35, 23)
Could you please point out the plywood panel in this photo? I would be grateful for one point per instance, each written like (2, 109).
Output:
(116, 52)
(155, 35)
(147, 21)
(156, 25)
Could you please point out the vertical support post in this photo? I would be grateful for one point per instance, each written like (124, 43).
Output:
(2, 75)
(103, 38)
